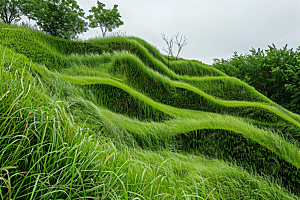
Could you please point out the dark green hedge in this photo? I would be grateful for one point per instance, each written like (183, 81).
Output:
(273, 72)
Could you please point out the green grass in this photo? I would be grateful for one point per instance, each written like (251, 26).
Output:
(113, 119)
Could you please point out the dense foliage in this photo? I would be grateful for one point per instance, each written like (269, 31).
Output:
(273, 72)
(62, 18)
(10, 11)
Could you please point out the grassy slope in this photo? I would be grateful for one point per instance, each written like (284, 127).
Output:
(132, 97)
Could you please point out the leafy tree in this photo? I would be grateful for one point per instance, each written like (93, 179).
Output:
(106, 19)
(10, 11)
(61, 18)
(29, 7)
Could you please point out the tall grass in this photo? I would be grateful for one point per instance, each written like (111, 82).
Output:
(45, 155)
(59, 141)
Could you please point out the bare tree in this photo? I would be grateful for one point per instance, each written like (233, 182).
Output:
(180, 43)
(170, 42)
(169, 49)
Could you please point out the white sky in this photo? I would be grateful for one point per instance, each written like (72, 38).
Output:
(214, 28)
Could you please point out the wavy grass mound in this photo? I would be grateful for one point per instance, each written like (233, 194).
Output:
(112, 118)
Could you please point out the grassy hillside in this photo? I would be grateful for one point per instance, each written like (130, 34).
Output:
(111, 118)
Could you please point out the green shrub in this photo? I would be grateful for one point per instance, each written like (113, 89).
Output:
(273, 72)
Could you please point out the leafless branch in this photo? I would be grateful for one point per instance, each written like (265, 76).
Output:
(180, 43)
(174, 40)
(169, 43)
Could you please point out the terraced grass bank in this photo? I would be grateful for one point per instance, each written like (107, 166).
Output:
(110, 118)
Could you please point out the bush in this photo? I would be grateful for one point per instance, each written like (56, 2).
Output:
(273, 72)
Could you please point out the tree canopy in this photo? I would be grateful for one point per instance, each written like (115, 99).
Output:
(10, 11)
(62, 18)
(106, 19)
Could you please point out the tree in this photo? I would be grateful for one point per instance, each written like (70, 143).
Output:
(169, 49)
(106, 19)
(170, 42)
(61, 18)
(10, 11)
(29, 7)
(180, 43)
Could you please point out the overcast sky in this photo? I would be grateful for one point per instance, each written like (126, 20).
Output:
(214, 28)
